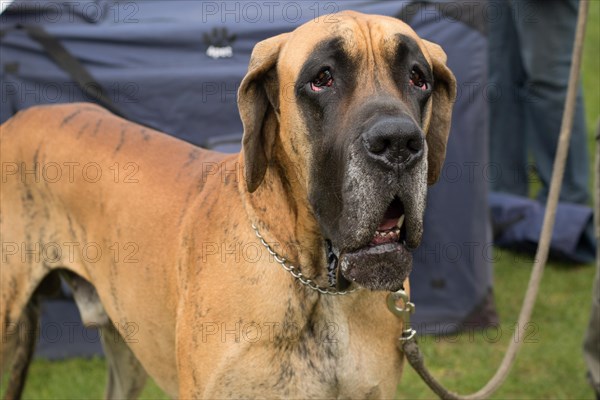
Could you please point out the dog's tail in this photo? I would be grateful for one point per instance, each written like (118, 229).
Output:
(24, 351)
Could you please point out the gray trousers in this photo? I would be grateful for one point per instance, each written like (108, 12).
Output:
(530, 44)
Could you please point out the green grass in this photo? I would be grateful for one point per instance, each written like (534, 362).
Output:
(549, 366)
(74, 379)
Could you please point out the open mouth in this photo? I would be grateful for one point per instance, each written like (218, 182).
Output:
(391, 229)
(385, 262)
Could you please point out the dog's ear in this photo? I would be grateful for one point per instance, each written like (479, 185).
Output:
(442, 101)
(258, 103)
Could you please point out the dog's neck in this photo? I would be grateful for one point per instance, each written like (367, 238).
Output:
(279, 209)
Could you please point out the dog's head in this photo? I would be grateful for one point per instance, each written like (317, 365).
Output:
(358, 107)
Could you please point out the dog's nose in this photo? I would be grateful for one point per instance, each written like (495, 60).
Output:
(394, 141)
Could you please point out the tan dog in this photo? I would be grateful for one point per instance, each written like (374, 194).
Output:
(345, 123)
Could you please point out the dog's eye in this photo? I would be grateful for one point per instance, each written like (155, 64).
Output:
(323, 79)
(417, 79)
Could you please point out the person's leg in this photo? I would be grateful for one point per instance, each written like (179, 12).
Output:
(508, 149)
(546, 32)
(591, 344)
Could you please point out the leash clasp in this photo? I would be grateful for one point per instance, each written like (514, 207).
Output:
(403, 312)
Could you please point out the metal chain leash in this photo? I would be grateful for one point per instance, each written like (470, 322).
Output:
(296, 273)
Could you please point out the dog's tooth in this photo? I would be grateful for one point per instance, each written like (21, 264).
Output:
(400, 222)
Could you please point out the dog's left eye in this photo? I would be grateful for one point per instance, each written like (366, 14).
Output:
(417, 79)
(322, 80)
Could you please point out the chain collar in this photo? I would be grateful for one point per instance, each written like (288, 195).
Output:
(296, 273)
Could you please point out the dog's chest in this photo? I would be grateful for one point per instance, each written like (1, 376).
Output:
(293, 377)
(317, 363)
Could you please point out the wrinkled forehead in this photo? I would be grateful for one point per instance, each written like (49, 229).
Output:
(357, 35)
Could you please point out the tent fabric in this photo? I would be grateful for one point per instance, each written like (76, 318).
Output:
(177, 65)
(63, 335)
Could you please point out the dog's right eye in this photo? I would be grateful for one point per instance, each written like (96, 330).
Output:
(322, 80)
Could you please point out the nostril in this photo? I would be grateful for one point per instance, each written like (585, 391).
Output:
(414, 145)
(377, 145)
